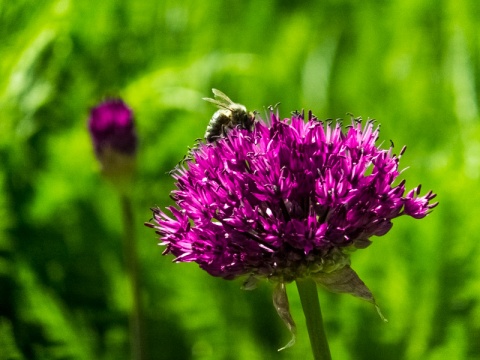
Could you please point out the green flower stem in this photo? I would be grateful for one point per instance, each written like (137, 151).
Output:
(130, 254)
(307, 288)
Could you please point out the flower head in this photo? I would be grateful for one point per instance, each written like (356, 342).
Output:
(285, 201)
(114, 139)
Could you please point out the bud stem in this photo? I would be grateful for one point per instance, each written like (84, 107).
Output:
(307, 288)
(130, 253)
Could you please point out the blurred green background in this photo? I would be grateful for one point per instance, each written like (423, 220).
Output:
(413, 65)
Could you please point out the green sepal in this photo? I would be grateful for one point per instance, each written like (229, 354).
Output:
(345, 280)
(280, 301)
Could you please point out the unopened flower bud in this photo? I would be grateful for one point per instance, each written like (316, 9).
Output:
(114, 139)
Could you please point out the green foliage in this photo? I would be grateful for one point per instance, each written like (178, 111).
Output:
(413, 65)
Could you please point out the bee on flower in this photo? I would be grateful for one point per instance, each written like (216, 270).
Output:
(287, 201)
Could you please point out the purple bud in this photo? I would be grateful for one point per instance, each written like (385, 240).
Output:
(115, 141)
(111, 127)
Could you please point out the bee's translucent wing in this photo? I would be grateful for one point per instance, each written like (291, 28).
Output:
(220, 104)
(221, 95)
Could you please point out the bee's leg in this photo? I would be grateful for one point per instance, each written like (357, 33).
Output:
(224, 130)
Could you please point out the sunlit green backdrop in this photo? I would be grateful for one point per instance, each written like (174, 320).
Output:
(413, 65)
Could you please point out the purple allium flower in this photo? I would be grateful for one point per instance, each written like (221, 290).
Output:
(287, 201)
(111, 126)
(114, 139)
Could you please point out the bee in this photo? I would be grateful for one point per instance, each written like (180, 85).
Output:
(228, 117)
